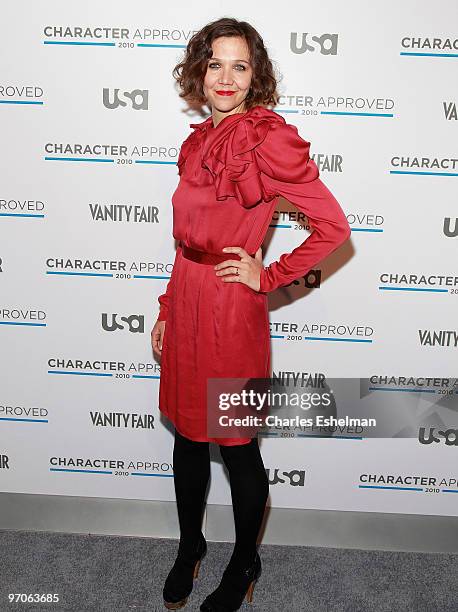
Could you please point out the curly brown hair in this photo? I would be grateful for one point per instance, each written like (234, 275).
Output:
(190, 72)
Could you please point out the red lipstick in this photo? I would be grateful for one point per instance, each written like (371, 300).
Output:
(223, 92)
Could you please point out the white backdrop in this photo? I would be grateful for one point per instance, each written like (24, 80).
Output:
(86, 239)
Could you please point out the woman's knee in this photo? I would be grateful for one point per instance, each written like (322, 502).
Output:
(242, 455)
(185, 447)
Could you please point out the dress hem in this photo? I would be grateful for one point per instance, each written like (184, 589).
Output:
(207, 439)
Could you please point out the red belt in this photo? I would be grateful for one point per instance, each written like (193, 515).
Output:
(206, 258)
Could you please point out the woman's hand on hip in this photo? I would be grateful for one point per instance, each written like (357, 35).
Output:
(157, 336)
(245, 270)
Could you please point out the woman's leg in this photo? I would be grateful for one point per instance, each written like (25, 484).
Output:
(191, 472)
(249, 490)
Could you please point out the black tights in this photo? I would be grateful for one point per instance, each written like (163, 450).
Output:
(249, 490)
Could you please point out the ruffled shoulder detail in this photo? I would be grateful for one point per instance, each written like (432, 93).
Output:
(243, 149)
(285, 156)
(260, 143)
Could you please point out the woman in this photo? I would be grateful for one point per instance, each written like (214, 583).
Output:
(213, 317)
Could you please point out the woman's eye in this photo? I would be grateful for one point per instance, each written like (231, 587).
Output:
(213, 64)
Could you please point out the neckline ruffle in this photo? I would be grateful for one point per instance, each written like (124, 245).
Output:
(229, 152)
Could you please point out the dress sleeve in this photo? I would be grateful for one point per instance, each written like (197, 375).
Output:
(287, 170)
(164, 299)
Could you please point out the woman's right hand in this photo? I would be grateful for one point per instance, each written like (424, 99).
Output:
(157, 336)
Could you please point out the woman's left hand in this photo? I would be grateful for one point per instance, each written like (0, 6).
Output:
(245, 270)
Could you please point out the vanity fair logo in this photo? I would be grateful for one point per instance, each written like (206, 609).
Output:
(10, 92)
(134, 323)
(124, 213)
(294, 478)
(117, 36)
(114, 268)
(335, 104)
(328, 163)
(21, 208)
(450, 111)
(122, 419)
(284, 380)
(418, 282)
(443, 338)
(118, 154)
(137, 99)
(450, 227)
(303, 42)
(299, 378)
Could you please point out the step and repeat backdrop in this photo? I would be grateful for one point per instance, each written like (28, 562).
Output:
(91, 127)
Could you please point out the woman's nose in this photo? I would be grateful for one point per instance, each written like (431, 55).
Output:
(226, 76)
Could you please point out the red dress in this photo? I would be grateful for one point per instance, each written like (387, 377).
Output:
(230, 178)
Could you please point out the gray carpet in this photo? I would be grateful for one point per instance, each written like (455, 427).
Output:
(120, 574)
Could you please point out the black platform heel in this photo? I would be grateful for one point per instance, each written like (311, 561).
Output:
(235, 585)
(180, 581)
